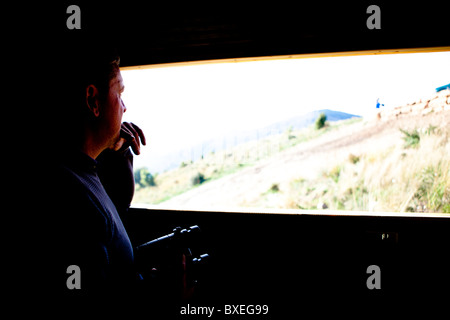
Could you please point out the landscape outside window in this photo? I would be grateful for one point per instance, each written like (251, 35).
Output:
(356, 133)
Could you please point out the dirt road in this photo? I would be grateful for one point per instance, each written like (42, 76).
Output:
(305, 160)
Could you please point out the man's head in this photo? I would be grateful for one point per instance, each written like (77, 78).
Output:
(91, 107)
(103, 106)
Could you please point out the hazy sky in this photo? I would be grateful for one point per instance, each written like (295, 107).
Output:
(179, 106)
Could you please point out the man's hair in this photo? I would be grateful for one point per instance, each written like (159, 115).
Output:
(99, 70)
(96, 68)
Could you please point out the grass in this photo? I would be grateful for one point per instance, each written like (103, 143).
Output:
(432, 191)
(415, 179)
(334, 173)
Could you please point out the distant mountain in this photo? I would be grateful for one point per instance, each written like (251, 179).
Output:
(305, 120)
(195, 152)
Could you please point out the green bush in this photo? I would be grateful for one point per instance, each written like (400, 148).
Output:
(199, 178)
(412, 139)
(143, 178)
(320, 121)
(353, 159)
(275, 187)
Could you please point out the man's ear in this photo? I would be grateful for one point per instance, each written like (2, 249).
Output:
(92, 100)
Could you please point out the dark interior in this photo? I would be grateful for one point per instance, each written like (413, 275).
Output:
(283, 260)
(289, 262)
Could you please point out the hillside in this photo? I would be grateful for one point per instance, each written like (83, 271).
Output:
(217, 165)
(233, 139)
(357, 165)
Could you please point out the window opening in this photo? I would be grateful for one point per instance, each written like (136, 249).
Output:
(364, 133)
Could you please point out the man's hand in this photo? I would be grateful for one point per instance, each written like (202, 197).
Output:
(130, 136)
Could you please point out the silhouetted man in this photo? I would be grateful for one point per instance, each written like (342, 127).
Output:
(86, 212)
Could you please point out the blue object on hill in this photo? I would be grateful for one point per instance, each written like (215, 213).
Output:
(379, 104)
(447, 86)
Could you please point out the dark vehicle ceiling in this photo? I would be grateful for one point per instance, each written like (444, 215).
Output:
(152, 33)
